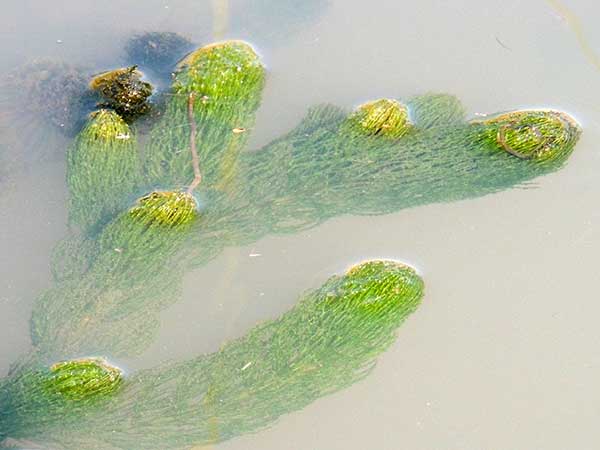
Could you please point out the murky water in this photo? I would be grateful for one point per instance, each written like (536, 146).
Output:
(503, 351)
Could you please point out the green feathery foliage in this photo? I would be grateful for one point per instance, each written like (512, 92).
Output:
(371, 161)
(541, 136)
(319, 171)
(103, 171)
(222, 85)
(133, 273)
(435, 110)
(383, 117)
(41, 397)
(324, 168)
(330, 340)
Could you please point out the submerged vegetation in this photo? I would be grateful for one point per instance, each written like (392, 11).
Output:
(199, 193)
(328, 341)
(102, 171)
(217, 89)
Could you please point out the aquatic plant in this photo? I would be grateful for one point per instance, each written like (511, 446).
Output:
(436, 110)
(124, 91)
(103, 171)
(325, 168)
(370, 161)
(39, 397)
(132, 274)
(319, 170)
(217, 91)
(205, 195)
(330, 340)
(542, 136)
(382, 117)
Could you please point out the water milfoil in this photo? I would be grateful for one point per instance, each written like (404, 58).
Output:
(542, 136)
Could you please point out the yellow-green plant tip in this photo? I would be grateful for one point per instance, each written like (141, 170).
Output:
(328, 341)
(83, 379)
(216, 69)
(224, 52)
(538, 135)
(382, 117)
(102, 171)
(106, 125)
(166, 208)
(373, 282)
(217, 88)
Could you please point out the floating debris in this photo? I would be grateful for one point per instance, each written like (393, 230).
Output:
(124, 91)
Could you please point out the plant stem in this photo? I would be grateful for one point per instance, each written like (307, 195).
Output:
(193, 132)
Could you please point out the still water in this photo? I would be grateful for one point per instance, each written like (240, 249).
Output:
(502, 353)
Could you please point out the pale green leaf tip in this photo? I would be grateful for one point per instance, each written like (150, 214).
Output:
(171, 208)
(383, 117)
(83, 379)
(538, 135)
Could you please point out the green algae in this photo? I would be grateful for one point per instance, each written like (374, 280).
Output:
(81, 380)
(370, 161)
(378, 159)
(219, 88)
(132, 274)
(40, 397)
(320, 170)
(435, 110)
(538, 135)
(328, 341)
(170, 209)
(330, 165)
(103, 171)
(383, 117)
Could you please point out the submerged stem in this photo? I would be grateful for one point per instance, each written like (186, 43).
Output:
(195, 160)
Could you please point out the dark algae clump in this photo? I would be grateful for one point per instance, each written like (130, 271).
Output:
(52, 91)
(157, 50)
(198, 192)
(124, 91)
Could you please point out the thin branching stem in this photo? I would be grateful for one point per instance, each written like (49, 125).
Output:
(195, 159)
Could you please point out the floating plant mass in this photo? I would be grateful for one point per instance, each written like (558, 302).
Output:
(328, 341)
(198, 192)
(124, 91)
